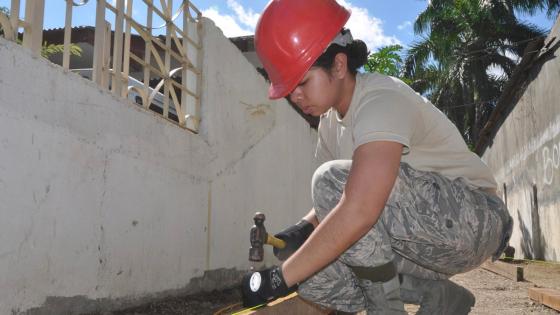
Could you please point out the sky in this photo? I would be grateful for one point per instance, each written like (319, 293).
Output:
(377, 22)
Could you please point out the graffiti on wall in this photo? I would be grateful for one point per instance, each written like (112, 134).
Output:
(551, 161)
(542, 150)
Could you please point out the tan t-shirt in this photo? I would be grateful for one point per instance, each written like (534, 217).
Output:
(385, 109)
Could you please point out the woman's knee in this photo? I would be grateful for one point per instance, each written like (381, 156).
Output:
(328, 184)
(336, 287)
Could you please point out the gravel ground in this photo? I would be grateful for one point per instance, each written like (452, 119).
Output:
(494, 295)
(498, 295)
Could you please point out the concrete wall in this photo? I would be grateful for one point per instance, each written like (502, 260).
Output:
(104, 204)
(525, 158)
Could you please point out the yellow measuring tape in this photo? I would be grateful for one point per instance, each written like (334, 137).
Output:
(225, 310)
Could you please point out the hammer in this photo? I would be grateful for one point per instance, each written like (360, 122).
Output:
(259, 237)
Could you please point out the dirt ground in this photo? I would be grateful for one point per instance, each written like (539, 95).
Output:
(494, 295)
(498, 295)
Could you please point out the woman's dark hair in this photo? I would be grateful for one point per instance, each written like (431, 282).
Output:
(356, 51)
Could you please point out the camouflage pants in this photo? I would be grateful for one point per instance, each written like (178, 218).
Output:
(431, 228)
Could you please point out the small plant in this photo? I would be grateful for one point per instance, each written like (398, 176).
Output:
(51, 49)
(388, 61)
(48, 49)
(385, 61)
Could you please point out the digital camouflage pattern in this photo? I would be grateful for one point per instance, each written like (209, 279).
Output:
(432, 227)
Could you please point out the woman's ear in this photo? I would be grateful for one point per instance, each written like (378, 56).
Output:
(340, 65)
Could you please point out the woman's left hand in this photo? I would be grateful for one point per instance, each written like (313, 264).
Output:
(262, 286)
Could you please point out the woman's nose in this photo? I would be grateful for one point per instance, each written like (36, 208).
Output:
(296, 96)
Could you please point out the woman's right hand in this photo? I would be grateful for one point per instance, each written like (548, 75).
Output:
(294, 236)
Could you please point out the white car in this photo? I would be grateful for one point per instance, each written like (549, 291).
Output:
(133, 95)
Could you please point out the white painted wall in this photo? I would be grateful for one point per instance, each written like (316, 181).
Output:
(102, 199)
(525, 159)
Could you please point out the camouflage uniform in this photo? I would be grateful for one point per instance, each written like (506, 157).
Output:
(431, 228)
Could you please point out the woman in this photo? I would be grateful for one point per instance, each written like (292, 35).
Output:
(399, 191)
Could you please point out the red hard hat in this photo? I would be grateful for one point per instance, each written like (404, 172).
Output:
(291, 35)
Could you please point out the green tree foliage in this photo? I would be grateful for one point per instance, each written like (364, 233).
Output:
(552, 7)
(460, 41)
(49, 49)
(5, 11)
(387, 60)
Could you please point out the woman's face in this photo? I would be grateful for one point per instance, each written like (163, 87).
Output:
(317, 92)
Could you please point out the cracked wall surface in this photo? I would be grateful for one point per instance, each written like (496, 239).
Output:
(103, 202)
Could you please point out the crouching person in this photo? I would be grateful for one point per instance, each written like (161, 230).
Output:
(400, 204)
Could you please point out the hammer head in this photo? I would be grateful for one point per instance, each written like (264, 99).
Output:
(257, 237)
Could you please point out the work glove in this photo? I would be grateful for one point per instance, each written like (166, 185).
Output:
(263, 286)
(294, 236)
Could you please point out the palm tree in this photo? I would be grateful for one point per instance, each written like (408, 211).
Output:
(552, 7)
(462, 41)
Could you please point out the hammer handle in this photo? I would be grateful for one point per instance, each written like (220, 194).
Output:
(276, 242)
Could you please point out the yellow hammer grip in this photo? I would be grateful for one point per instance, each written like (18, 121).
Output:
(276, 242)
